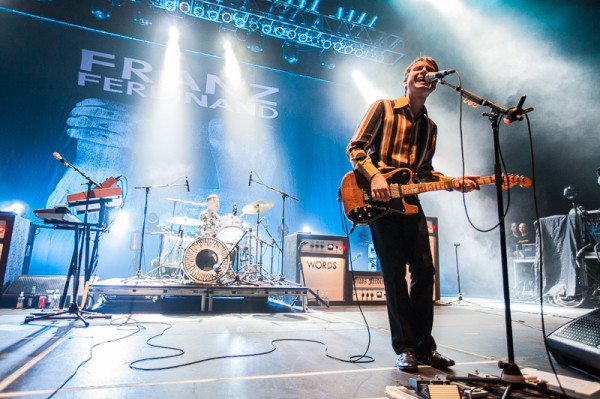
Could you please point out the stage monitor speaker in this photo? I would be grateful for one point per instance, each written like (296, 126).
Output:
(577, 343)
(13, 241)
(44, 285)
(324, 261)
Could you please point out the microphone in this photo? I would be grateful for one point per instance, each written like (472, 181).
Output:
(187, 184)
(457, 245)
(250, 179)
(61, 159)
(433, 76)
(234, 211)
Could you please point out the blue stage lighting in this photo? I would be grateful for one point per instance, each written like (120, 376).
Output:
(239, 19)
(361, 17)
(314, 5)
(279, 31)
(350, 15)
(213, 14)
(253, 24)
(301, 3)
(338, 46)
(372, 21)
(199, 11)
(267, 27)
(339, 13)
(348, 49)
(226, 17)
(326, 43)
(327, 59)
(170, 5)
(101, 9)
(254, 42)
(291, 34)
(359, 52)
(185, 6)
(290, 53)
(303, 37)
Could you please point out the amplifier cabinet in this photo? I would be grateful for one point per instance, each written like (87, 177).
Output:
(13, 240)
(324, 262)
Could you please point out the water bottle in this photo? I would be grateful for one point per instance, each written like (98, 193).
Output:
(55, 299)
(20, 300)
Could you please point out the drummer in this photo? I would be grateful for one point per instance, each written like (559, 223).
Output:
(209, 218)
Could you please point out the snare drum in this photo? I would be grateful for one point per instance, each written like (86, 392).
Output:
(230, 229)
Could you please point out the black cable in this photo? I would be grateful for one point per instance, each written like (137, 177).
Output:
(119, 327)
(540, 251)
(462, 156)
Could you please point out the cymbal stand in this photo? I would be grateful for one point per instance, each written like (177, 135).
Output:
(139, 274)
(511, 373)
(283, 198)
(273, 245)
(460, 293)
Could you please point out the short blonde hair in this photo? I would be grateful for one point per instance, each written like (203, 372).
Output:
(412, 64)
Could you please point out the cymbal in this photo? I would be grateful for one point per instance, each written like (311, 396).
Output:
(187, 202)
(183, 220)
(259, 206)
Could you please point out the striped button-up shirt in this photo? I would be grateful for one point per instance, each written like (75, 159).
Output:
(389, 137)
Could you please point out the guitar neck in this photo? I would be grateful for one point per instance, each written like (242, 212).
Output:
(413, 189)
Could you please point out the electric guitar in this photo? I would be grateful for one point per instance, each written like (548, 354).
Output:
(355, 193)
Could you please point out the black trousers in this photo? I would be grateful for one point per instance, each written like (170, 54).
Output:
(400, 240)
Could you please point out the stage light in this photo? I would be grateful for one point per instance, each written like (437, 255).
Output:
(170, 5)
(101, 9)
(361, 18)
(121, 223)
(372, 21)
(199, 11)
(290, 53)
(366, 88)
(291, 34)
(253, 24)
(303, 37)
(143, 17)
(350, 15)
(267, 27)
(226, 17)
(314, 5)
(306, 229)
(349, 49)
(326, 43)
(340, 13)
(255, 42)
(232, 66)
(279, 31)
(213, 14)
(301, 3)
(338, 46)
(16, 207)
(327, 59)
(240, 19)
(185, 6)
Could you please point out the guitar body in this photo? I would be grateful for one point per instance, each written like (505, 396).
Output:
(355, 192)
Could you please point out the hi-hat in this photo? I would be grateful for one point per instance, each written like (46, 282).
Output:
(186, 202)
(259, 206)
(183, 220)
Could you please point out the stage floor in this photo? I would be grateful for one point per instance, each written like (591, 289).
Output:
(38, 357)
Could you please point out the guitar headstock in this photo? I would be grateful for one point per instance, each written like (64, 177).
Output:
(513, 180)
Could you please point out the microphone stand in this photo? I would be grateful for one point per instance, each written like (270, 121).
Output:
(511, 374)
(283, 197)
(139, 273)
(460, 294)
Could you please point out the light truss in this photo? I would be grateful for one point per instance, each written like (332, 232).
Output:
(294, 22)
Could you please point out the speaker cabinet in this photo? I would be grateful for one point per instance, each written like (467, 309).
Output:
(577, 343)
(13, 240)
(319, 263)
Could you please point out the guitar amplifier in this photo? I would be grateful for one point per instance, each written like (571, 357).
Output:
(369, 284)
(318, 262)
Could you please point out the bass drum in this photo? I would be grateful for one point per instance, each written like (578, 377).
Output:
(206, 260)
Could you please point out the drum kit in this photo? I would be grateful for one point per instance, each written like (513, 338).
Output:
(233, 255)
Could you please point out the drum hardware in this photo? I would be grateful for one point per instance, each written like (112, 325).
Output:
(176, 201)
(183, 221)
(139, 273)
(283, 226)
